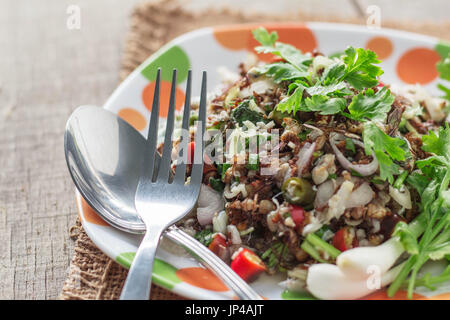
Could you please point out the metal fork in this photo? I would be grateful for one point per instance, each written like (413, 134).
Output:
(161, 201)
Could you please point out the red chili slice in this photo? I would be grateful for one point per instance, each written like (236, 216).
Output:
(247, 264)
(344, 239)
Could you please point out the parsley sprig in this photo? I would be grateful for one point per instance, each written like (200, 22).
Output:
(350, 78)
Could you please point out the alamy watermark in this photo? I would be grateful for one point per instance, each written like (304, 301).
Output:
(73, 21)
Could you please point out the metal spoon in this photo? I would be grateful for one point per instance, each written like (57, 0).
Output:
(103, 155)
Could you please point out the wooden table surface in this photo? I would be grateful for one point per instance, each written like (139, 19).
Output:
(46, 71)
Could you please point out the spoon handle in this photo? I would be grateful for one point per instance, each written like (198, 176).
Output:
(139, 278)
(213, 263)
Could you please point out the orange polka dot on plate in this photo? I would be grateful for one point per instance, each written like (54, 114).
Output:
(418, 65)
(90, 215)
(133, 117)
(382, 46)
(147, 97)
(233, 38)
(202, 278)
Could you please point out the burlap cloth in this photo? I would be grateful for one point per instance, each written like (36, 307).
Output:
(92, 275)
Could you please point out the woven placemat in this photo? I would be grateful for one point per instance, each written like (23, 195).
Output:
(92, 275)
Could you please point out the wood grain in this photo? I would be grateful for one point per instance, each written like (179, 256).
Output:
(46, 71)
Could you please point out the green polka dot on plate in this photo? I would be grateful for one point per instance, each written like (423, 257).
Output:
(164, 274)
(291, 295)
(173, 58)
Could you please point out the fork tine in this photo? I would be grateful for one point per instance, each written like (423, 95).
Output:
(180, 174)
(197, 166)
(164, 167)
(152, 134)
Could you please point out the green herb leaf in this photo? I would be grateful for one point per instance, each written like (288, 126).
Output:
(280, 71)
(385, 148)
(370, 105)
(204, 236)
(264, 38)
(244, 112)
(285, 51)
(292, 104)
(438, 144)
(217, 184)
(407, 238)
(361, 71)
(325, 105)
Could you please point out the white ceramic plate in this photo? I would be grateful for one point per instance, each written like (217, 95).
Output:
(407, 59)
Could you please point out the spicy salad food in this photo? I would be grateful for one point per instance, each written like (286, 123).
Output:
(362, 179)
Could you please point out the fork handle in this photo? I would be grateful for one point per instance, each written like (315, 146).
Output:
(139, 278)
(213, 263)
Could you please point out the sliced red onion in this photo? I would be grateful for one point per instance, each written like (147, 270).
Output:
(362, 169)
(305, 157)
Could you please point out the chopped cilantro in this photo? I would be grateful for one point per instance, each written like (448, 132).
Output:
(244, 112)
(332, 176)
(204, 236)
(216, 184)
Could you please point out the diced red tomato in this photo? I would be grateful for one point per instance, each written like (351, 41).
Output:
(380, 84)
(344, 239)
(297, 214)
(218, 244)
(247, 264)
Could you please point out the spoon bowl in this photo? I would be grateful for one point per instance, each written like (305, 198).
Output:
(103, 154)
